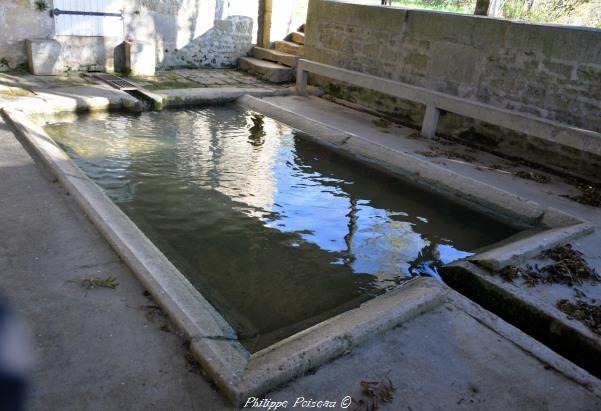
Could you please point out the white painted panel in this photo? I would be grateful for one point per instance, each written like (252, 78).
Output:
(112, 26)
(81, 25)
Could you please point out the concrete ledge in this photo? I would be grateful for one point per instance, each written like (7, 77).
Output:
(203, 96)
(325, 341)
(540, 318)
(75, 99)
(213, 341)
(518, 252)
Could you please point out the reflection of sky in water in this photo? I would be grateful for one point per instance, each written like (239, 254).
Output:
(371, 240)
(259, 166)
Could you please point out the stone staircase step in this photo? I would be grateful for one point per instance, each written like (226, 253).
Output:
(297, 37)
(272, 72)
(290, 47)
(276, 56)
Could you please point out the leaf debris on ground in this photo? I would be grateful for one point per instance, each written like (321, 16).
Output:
(569, 268)
(453, 155)
(531, 175)
(381, 122)
(97, 282)
(589, 314)
(374, 394)
(589, 195)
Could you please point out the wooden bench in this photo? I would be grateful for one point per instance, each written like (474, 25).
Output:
(435, 102)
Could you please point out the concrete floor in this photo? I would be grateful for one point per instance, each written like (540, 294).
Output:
(94, 349)
(104, 349)
(446, 360)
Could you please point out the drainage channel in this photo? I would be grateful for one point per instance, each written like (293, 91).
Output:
(148, 99)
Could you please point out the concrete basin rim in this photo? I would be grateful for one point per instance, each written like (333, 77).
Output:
(238, 373)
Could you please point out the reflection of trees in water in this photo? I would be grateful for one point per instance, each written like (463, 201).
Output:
(352, 228)
(427, 261)
(257, 133)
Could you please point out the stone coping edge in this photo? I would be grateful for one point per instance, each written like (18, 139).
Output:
(212, 95)
(213, 342)
(525, 342)
(539, 318)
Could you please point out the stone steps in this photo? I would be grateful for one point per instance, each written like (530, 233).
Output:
(290, 47)
(276, 56)
(276, 65)
(267, 70)
(297, 37)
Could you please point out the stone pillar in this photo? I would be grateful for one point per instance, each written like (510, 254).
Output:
(482, 7)
(44, 57)
(263, 33)
(488, 8)
(140, 58)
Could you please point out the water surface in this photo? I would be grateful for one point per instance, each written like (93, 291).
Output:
(277, 232)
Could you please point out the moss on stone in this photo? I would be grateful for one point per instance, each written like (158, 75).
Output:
(418, 61)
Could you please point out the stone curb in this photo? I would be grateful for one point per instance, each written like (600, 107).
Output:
(527, 343)
(539, 318)
(213, 95)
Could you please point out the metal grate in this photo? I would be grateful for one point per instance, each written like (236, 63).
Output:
(114, 81)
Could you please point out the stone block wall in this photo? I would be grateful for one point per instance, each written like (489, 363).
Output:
(550, 71)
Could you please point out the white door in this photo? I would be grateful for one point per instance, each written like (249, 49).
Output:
(82, 25)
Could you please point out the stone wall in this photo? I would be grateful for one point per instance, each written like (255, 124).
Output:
(550, 71)
(20, 20)
(187, 33)
(194, 33)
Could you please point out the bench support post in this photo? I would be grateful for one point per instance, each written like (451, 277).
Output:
(430, 121)
(302, 77)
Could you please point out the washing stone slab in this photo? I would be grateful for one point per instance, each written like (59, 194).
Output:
(73, 99)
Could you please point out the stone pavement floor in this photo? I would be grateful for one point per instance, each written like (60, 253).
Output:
(21, 83)
(185, 78)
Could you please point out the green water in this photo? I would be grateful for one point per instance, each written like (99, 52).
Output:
(277, 232)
